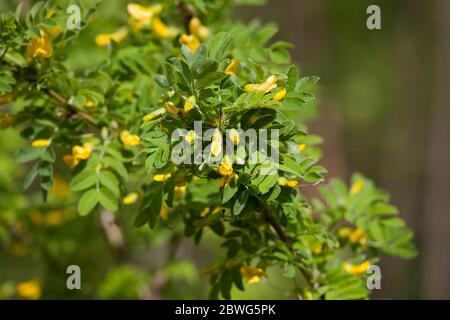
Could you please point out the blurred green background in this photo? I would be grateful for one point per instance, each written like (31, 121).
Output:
(384, 111)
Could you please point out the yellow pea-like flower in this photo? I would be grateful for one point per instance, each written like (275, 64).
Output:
(190, 137)
(82, 152)
(252, 274)
(171, 108)
(130, 198)
(141, 16)
(358, 269)
(189, 104)
(226, 167)
(216, 145)
(162, 177)
(105, 39)
(282, 181)
(30, 290)
(301, 146)
(129, 140)
(155, 114)
(71, 161)
(344, 232)
(356, 187)
(40, 47)
(358, 236)
(191, 41)
(205, 212)
(268, 85)
(198, 29)
(41, 143)
(53, 31)
(234, 136)
(233, 67)
(162, 30)
(280, 95)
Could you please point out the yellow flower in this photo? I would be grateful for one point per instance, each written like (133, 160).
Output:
(190, 137)
(164, 213)
(198, 29)
(266, 86)
(205, 212)
(82, 152)
(5, 99)
(179, 190)
(155, 114)
(161, 30)
(40, 47)
(71, 161)
(60, 188)
(358, 236)
(252, 274)
(234, 136)
(129, 140)
(280, 95)
(301, 146)
(233, 67)
(89, 104)
(141, 16)
(41, 143)
(130, 198)
(358, 269)
(171, 108)
(161, 177)
(226, 168)
(307, 295)
(53, 31)
(190, 41)
(30, 290)
(216, 145)
(318, 249)
(286, 182)
(104, 39)
(356, 187)
(189, 104)
(344, 232)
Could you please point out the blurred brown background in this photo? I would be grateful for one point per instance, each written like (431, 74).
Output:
(385, 112)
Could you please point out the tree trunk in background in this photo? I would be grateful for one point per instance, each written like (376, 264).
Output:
(436, 218)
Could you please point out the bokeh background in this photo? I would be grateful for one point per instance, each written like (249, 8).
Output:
(384, 110)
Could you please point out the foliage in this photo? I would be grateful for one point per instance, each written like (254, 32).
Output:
(112, 124)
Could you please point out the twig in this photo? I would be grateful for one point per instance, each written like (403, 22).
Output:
(60, 99)
(186, 12)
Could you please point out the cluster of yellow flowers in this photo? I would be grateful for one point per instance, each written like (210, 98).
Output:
(78, 153)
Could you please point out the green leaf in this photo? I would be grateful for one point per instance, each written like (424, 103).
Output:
(117, 165)
(87, 202)
(31, 176)
(29, 153)
(107, 199)
(110, 181)
(240, 202)
(229, 191)
(84, 180)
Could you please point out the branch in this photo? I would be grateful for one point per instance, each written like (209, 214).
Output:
(186, 12)
(61, 100)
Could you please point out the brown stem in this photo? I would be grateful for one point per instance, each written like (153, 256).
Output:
(60, 99)
(186, 12)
